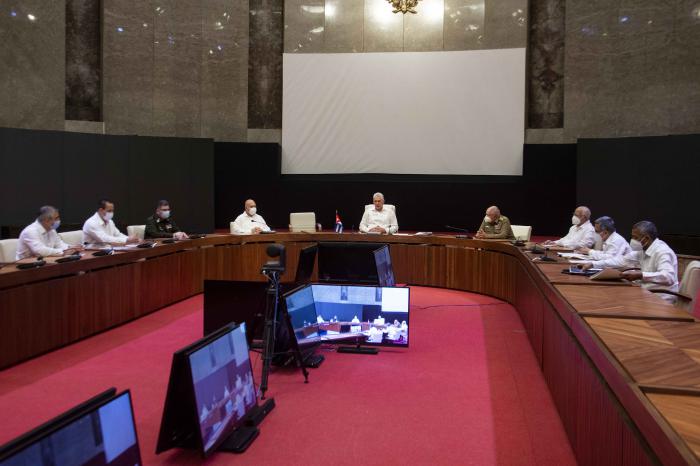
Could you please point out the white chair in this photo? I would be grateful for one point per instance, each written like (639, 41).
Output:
(386, 206)
(8, 249)
(688, 289)
(302, 222)
(598, 245)
(231, 229)
(72, 238)
(522, 232)
(138, 231)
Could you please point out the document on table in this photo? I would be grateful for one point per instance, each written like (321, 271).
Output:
(573, 255)
(607, 274)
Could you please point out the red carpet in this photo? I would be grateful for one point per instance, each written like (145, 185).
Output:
(468, 391)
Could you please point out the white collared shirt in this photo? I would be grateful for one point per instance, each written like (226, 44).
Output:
(244, 224)
(386, 218)
(615, 245)
(658, 263)
(96, 230)
(36, 241)
(579, 236)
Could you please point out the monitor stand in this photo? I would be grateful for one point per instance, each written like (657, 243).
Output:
(357, 349)
(239, 440)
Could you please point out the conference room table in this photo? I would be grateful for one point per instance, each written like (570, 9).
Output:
(622, 365)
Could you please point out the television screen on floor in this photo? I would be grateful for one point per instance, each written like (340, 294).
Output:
(385, 271)
(347, 262)
(99, 432)
(224, 392)
(367, 315)
(211, 390)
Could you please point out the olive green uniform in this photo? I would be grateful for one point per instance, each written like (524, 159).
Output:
(497, 230)
(157, 227)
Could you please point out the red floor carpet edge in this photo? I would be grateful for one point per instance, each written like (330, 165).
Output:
(468, 391)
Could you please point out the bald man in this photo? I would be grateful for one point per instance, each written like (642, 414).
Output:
(495, 225)
(581, 234)
(249, 222)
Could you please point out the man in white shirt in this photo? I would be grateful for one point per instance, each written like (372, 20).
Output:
(40, 238)
(581, 234)
(656, 260)
(379, 219)
(249, 222)
(613, 243)
(100, 229)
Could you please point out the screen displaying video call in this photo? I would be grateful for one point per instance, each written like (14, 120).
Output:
(106, 436)
(363, 314)
(223, 385)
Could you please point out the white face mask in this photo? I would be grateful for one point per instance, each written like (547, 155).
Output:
(164, 214)
(636, 245)
(108, 216)
(575, 220)
(252, 211)
(487, 219)
(56, 224)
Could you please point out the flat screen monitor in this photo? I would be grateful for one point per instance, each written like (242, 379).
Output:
(305, 266)
(347, 262)
(228, 301)
(385, 271)
(367, 315)
(99, 432)
(211, 390)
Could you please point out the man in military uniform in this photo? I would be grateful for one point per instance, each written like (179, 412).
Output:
(160, 225)
(495, 225)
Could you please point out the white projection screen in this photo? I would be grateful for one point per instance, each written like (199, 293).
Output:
(437, 113)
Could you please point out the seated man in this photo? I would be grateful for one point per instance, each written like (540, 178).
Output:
(581, 234)
(379, 219)
(161, 225)
(249, 222)
(100, 229)
(40, 238)
(613, 243)
(656, 260)
(495, 225)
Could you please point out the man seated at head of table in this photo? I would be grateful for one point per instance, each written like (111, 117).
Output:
(613, 244)
(495, 225)
(249, 222)
(656, 261)
(161, 224)
(379, 219)
(41, 239)
(100, 229)
(581, 234)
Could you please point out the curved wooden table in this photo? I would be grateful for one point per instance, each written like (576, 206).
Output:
(622, 366)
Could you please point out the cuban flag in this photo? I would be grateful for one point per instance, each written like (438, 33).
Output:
(338, 223)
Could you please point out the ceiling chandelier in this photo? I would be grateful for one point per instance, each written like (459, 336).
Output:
(404, 6)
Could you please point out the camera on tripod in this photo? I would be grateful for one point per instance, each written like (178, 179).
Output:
(278, 266)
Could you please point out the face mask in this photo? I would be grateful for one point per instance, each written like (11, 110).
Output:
(575, 220)
(487, 219)
(252, 211)
(108, 216)
(164, 214)
(56, 224)
(636, 245)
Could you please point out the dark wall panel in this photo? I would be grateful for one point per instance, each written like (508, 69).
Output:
(652, 178)
(73, 171)
(423, 202)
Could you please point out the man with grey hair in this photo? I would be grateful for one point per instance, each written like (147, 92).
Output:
(613, 243)
(581, 234)
(40, 238)
(656, 262)
(495, 225)
(380, 219)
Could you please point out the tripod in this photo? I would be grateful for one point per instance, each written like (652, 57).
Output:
(270, 332)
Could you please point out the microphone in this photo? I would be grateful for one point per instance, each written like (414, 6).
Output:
(546, 258)
(449, 227)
